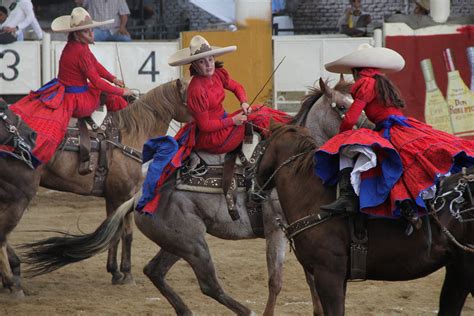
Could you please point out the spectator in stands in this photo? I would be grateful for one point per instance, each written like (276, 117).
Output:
(353, 18)
(422, 7)
(21, 16)
(3, 15)
(109, 9)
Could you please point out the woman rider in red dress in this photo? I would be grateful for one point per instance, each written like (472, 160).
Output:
(410, 155)
(212, 130)
(76, 92)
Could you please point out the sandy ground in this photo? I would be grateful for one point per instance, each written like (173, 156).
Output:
(85, 288)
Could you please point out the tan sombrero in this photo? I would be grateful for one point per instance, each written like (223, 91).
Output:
(367, 56)
(79, 19)
(198, 48)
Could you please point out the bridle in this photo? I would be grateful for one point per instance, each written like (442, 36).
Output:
(342, 110)
(22, 150)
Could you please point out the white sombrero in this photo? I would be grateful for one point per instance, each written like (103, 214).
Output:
(366, 56)
(79, 19)
(198, 48)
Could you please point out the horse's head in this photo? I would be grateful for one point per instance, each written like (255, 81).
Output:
(323, 110)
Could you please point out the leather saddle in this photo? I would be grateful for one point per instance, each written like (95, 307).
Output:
(85, 137)
(226, 174)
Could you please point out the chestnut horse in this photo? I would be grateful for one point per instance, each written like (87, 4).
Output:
(148, 117)
(145, 118)
(323, 250)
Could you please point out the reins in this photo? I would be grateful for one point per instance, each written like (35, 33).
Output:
(461, 188)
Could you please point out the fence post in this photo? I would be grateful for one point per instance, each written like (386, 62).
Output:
(46, 58)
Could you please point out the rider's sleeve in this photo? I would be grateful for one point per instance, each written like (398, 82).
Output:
(198, 104)
(90, 71)
(104, 73)
(363, 92)
(231, 85)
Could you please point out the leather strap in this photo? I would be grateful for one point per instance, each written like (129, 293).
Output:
(84, 148)
(228, 177)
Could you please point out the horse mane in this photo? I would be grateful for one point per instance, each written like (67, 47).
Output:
(314, 94)
(140, 116)
(302, 142)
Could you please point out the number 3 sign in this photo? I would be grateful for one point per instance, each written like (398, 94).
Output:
(20, 67)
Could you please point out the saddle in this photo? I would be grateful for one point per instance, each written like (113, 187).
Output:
(226, 174)
(92, 135)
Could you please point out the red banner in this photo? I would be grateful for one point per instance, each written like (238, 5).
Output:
(411, 79)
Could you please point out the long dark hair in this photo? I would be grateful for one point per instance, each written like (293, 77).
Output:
(387, 92)
(217, 64)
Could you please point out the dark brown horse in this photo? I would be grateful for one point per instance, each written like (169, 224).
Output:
(323, 250)
(18, 185)
(148, 117)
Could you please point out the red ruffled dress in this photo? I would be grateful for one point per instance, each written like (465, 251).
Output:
(211, 130)
(75, 93)
(411, 155)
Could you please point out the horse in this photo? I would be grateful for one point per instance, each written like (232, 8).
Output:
(178, 228)
(145, 118)
(18, 185)
(324, 249)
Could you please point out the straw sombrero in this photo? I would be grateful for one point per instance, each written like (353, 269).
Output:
(79, 19)
(366, 56)
(198, 48)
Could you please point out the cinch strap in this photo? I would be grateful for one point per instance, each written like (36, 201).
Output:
(387, 124)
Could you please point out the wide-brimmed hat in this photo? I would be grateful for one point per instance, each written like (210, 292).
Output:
(425, 4)
(198, 48)
(79, 19)
(366, 56)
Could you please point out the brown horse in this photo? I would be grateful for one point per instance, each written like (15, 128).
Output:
(323, 250)
(18, 185)
(147, 117)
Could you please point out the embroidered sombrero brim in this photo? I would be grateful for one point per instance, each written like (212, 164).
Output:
(78, 20)
(384, 59)
(183, 56)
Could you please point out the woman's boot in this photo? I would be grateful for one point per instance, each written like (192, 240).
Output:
(348, 201)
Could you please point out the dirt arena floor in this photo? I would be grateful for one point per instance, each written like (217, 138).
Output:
(85, 288)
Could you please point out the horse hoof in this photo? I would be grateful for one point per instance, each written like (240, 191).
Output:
(18, 294)
(128, 280)
(117, 278)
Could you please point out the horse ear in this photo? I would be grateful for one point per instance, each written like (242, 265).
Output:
(323, 86)
(179, 84)
(341, 77)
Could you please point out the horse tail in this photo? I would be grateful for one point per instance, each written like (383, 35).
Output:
(50, 254)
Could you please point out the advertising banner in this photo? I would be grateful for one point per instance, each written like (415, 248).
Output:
(437, 81)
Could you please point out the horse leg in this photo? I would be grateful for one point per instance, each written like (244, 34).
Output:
(330, 285)
(112, 266)
(15, 264)
(9, 280)
(456, 287)
(276, 247)
(317, 307)
(126, 260)
(156, 271)
(201, 262)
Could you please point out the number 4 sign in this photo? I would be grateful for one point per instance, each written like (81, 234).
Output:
(145, 65)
